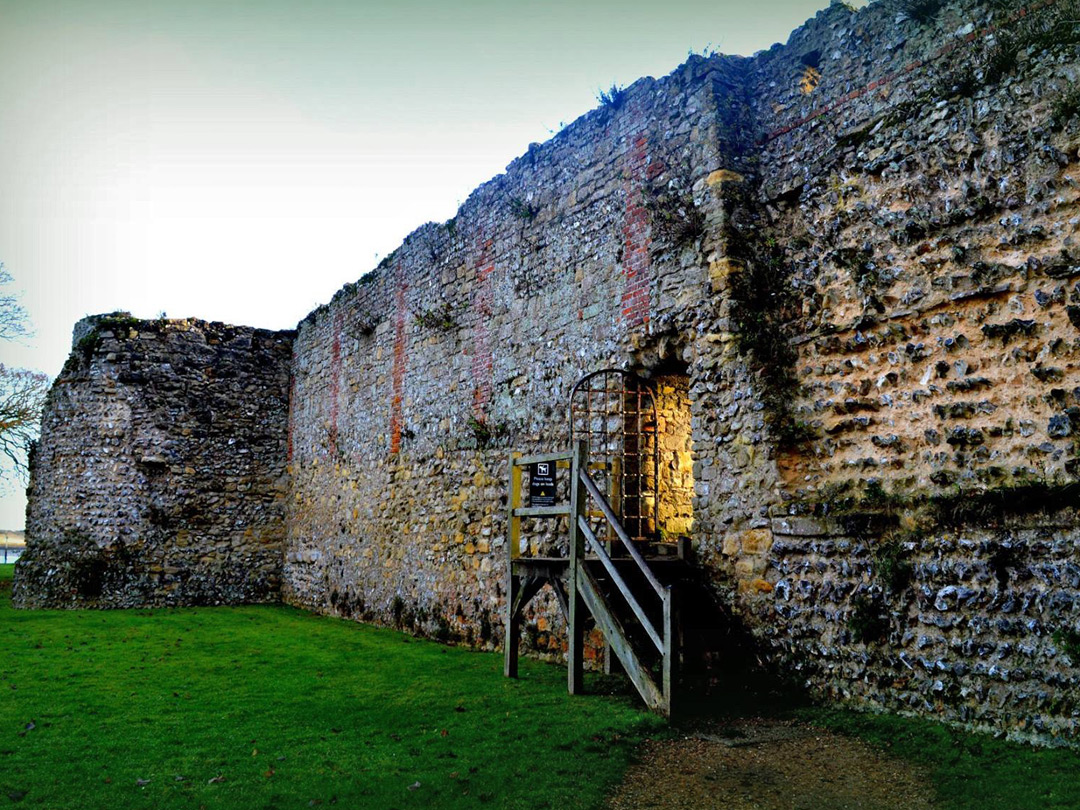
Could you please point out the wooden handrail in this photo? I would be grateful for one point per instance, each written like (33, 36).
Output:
(613, 521)
(620, 583)
(538, 458)
(559, 510)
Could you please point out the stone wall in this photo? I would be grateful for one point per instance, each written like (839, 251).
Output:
(674, 431)
(895, 199)
(931, 227)
(925, 195)
(972, 624)
(411, 386)
(159, 478)
(850, 266)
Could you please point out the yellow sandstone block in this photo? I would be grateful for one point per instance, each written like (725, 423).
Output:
(750, 567)
(721, 176)
(745, 569)
(757, 541)
(721, 271)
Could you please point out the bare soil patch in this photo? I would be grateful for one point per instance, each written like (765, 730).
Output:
(763, 764)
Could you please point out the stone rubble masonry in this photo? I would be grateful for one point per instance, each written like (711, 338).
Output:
(159, 478)
(546, 273)
(922, 216)
(483, 363)
(400, 361)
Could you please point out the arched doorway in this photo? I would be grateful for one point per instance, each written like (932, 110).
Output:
(640, 447)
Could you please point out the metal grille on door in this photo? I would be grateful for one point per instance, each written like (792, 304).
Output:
(615, 411)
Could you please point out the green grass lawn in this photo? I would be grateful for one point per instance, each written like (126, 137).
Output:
(270, 707)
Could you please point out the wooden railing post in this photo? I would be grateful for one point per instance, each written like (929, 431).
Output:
(576, 631)
(512, 636)
(611, 662)
(670, 649)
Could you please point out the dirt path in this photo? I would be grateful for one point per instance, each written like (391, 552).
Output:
(769, 765)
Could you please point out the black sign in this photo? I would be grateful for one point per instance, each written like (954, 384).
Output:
(542, 484)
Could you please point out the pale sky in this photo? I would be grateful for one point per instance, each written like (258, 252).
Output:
(241, 160)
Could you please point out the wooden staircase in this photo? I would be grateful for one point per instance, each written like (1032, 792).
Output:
(611, 581)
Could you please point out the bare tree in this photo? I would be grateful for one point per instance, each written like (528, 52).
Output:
(14, 322)
(22, 392)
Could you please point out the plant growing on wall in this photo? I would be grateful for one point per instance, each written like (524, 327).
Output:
(987, 63)
(675, 219)
(485, 433)
(1065, 107)
(85, 348)
(388, 260)
(522, 209)
(1068, 639)
(893, 570)
(920, 11)
(441, 319)
(867, 621)
(613, 98)
(763, 304)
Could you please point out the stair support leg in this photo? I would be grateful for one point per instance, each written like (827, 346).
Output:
(575, 675)
(576, 648)
(669, 652)
(512, 636)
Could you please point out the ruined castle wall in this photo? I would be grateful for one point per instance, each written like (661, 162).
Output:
(849, 264)
(159, 475)
(413, 384)
(971, 624)
(927, 200)
(922, 216)
(932, 230)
